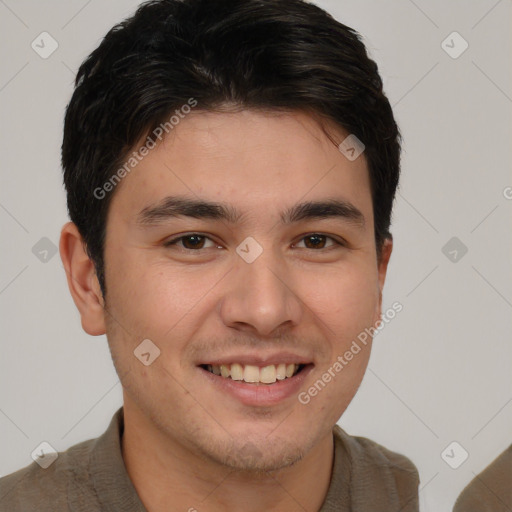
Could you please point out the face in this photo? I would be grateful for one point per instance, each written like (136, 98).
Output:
(250, 285)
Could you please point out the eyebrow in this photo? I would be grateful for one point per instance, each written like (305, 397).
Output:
(181, 206)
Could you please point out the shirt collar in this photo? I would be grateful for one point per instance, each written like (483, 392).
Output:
(113, 486)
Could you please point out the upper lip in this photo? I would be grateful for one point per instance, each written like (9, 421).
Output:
(259, 359)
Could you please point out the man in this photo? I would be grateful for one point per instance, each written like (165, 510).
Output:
(231, 167)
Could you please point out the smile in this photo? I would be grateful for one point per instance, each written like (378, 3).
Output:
(255, 374)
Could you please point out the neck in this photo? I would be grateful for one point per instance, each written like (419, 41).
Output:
(170, 477)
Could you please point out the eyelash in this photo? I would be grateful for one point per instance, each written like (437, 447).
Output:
(175, 241)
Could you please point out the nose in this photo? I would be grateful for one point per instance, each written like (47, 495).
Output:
(260, 298)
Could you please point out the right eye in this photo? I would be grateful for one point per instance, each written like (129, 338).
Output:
(190, 242)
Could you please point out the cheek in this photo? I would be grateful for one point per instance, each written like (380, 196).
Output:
(344, 304)
(157, 299)
(345, 300)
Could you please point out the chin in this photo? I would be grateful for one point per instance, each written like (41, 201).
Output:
(260, 457)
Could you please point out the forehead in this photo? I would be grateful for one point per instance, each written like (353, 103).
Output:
(254, 160)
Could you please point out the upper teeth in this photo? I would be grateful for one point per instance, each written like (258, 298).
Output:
(249, 373)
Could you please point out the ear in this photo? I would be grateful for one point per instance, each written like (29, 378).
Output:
(82, 280)
(382, 264)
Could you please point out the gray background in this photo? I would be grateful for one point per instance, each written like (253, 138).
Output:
(440, 371)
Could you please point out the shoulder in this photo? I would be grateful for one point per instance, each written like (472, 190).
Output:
(378, 471)
(370, 452)
(490, 490)
(34, 488)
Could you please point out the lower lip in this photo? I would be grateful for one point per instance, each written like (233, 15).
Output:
(259, 394)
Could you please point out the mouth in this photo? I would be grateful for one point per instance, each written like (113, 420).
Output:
(255, 381)
(257, 375)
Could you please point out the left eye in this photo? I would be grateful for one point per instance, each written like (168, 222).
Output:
(317, 241)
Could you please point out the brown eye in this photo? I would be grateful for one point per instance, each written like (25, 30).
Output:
(194, 241)
(318, 241)
(315, 241)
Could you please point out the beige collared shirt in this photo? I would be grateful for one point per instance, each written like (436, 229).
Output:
(91, 477)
